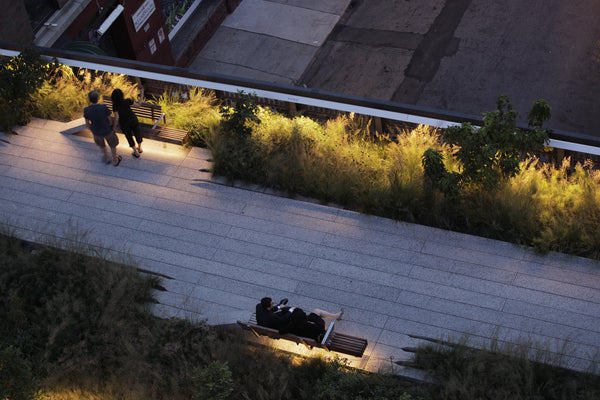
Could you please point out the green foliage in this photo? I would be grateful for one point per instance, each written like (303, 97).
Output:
(239, 120)
(16, 378)
(84, 319)
(494, 151)
(436, 175)
(332, 379)
(212, 382)
(20, 78)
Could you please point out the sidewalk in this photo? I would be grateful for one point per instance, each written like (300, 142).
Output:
(222, 248)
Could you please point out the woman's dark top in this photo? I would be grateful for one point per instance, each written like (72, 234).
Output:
(311, 326)
(126, 115)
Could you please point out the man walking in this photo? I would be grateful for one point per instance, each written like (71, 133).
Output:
(98, 120)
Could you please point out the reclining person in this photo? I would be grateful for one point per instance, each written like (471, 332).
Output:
(272, 316)
(278, 316)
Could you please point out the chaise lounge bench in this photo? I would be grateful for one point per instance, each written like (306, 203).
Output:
(332, 341)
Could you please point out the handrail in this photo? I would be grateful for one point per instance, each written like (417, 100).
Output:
(291, 94)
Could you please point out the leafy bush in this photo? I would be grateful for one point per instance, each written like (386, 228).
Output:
(20, 78)
(239, 120)
(335, 162)
(492, 152)
(213, 382)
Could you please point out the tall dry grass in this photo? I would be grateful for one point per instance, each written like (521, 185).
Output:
(199, 114)
(335, 162)
(503, 370)
(64, 96)
(547, 207)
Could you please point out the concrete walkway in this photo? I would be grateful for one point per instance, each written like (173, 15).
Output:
(222, 248)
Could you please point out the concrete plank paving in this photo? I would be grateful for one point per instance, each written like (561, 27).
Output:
(221, 248)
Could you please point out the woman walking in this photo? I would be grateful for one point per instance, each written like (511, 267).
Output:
(127, 120)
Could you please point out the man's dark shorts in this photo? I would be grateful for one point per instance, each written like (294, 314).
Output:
(111, 139)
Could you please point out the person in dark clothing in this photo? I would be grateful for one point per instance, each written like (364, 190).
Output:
(272, 316)
(127, 120)
(278, 316)
(98, 120)
(311, 326)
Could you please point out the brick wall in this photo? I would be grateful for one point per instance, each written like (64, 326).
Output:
(14, 23)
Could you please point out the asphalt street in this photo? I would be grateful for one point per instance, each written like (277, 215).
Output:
(458, 55)
(454, 55)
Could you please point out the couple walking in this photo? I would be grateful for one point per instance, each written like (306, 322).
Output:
(103, 126)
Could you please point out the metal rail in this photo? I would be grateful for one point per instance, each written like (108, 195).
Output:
(386, 110)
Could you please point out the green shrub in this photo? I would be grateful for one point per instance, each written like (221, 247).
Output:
(20, 78)
(212, 382)
(335, 162)
(492, 152)
(240, 119)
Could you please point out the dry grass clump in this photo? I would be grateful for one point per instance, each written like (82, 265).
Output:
(64, 96)
(199, 114)
(503, 371)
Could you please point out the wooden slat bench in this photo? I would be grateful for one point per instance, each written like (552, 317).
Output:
(332, 341)
(154, 131)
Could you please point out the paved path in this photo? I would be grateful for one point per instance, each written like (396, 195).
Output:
(222, 248)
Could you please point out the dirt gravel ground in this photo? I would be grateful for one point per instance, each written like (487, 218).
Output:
(458, 55)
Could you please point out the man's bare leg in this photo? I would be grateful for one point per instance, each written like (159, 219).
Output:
(105, 156)
(113, 151)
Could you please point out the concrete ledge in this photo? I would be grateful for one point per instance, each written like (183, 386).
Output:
(77, 125)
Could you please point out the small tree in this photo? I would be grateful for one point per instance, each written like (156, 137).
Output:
(489, 153)
(212, 382)
(236, 121)
(20, 77)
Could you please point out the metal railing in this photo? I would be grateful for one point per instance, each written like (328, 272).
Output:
(292, 96)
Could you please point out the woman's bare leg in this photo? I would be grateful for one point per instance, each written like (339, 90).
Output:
(326, 314)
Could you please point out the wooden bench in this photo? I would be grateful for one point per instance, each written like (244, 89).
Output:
(332, 341)
(154, 131)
